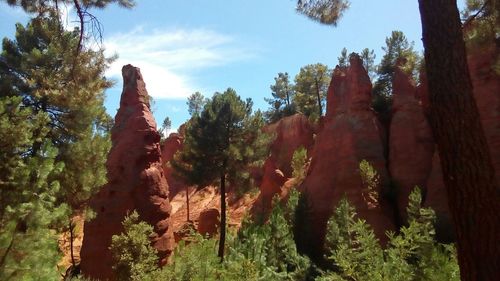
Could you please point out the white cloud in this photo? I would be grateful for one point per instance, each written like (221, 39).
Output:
(168, 58)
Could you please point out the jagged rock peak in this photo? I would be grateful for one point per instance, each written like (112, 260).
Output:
(134, 88)
(135, 182)
(350, 88)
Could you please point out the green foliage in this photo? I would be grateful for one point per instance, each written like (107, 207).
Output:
(35, 6)
(194, 261)
(338, 227)
(257, 252)
(195, 103)
(412, 254)
(222, 144)
(481, 21)
(39, 67)
(165, 126)
(132, 251)
(324, 11)
(30, 215)
(311, 87)
(368, 57)
(54, 141)
(397, 46)
(343, 59)
(371, 181)
(224, 140)
(281, 103)
(299, 163)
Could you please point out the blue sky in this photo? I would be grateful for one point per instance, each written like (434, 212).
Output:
(184, 46)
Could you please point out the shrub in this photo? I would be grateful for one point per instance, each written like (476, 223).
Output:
(135, 257)
(412, 254)
(299, 163)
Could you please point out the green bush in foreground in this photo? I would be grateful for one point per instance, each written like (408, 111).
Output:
(412, 254)
(268, 251)
(135, 258)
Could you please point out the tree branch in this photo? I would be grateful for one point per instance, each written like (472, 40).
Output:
(473, 17)
(79, 11)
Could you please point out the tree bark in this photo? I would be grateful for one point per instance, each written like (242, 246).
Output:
(318, 96)
(71, 240)
(222, 237)
(473, 195)
(187, 203)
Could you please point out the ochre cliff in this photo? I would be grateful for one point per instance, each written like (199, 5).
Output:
(171, 145)
(411, 144)
(135, 182)
(290, 134)
(350, 134)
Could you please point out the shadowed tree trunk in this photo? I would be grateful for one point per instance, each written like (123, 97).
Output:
(318, 97)
(187, 203)
(473, 196)
(222, 237)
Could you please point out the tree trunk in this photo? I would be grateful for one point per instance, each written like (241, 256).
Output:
(319, 99)
(222, 237)
(187, 203)
(287, 96)
(71, 240)
(473, 196)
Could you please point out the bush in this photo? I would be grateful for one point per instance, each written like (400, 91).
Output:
(412, 254)
(299, 163)
(135, 257)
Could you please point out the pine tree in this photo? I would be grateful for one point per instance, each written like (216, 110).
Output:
(299, 163)
(311, 86)
(82, 9)
(481, 21)
(37, 67)
(195, 103)
(397, 46)
(135, 258)
(57, 159)
(281, 103)
(323, 11)
(368, 57)
(412, 254)
(30, 215)
(343, 59)
(220, 145)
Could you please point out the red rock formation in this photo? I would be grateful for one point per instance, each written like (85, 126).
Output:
(351, 133)
(290, 133)
(135, 182)
(171, 145)
(272, 181)
(411, 144)
(208, 222)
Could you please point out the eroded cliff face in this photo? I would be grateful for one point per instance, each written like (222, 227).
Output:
(291, 133)
(411, 145)
(171, 145)
(135, 182)
(350, 134)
